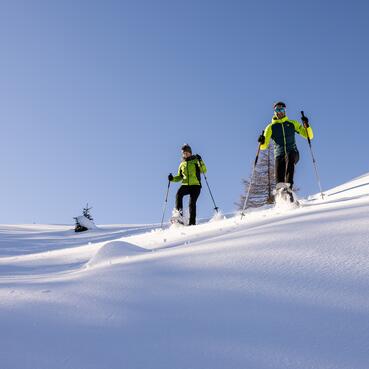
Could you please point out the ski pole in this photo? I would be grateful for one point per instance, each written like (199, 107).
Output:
(250, 184)
(165, 205)
(314, 161)
(211, 195)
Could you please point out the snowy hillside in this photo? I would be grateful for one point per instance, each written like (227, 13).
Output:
(278, 289)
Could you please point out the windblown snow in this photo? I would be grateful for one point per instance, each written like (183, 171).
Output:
(277, 289)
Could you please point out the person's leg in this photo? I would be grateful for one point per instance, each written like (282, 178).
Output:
(293, 158)
(280, 169)
(194, 195)
(182, 191)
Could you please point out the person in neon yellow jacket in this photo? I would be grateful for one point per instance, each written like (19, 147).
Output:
(282, 131)
(189, 173)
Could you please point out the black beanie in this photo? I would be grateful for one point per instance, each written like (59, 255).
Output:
(281, 103)
(187, 148)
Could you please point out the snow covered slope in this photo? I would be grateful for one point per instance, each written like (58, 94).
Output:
(279, 289)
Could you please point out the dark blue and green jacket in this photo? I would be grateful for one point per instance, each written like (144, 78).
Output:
(282, 132)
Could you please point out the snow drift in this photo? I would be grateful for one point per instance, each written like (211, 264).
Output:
(116, 250)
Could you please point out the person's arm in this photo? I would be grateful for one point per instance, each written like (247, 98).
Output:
(301, 130)
(179, 176)
(201, 164)
(267, 135)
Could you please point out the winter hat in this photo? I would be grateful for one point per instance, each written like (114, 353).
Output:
(187, 148)
(279, 103)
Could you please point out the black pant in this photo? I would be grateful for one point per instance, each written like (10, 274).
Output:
(285, 169)
(194, 192)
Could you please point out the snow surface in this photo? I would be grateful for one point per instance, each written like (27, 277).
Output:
(281, 288)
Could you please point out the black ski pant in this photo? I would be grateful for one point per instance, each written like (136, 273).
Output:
(285, 167)
(194, 192)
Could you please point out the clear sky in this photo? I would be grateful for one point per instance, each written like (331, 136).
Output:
(97, 98)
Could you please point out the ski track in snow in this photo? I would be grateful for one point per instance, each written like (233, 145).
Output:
(279, 289)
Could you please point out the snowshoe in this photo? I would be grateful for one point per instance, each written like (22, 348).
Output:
(285, 195)
(177, 218)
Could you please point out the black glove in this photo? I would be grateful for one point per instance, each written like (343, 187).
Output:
(305, 121)
(170, 177)
(261, 139)
(198, 157)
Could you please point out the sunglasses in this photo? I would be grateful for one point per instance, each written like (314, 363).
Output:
(280, 110)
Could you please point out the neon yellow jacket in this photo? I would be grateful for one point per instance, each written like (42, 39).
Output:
(189, 172)
(282, 132)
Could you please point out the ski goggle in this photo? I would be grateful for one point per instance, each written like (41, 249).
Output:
(280, 110)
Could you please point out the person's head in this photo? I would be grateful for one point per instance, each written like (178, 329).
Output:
(186, 151)
(280, 109)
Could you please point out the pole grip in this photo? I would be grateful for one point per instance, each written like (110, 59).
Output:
(307, 133)
(258, 151)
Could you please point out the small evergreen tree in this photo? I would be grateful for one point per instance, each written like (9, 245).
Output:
(263, 183)
(86, 213)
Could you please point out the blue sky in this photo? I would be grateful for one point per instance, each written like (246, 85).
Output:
(97, 97)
